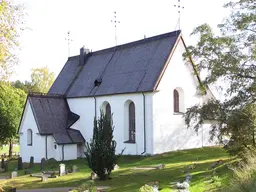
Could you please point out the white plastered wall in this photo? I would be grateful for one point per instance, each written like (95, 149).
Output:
(85, 107)
(37, 150)
(170, 131)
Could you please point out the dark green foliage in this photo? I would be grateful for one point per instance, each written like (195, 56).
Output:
(230, 62)
(11, 105)
(20, 165)
(100, 152)
(31, 162)
(26, 86)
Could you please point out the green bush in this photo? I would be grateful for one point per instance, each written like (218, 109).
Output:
(88, 186)
(147, 188)
(244, 175)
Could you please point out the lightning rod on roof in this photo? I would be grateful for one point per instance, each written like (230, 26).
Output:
(179, 8)
(68, 39)
(115, 22)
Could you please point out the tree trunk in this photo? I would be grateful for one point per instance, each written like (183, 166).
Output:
(10, 148)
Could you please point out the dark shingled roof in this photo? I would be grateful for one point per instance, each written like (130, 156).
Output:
(129, 68)
(53, 117)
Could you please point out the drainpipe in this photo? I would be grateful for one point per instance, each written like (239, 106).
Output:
(144, 124)
(62, 152)
(46, 153)
(95, 109)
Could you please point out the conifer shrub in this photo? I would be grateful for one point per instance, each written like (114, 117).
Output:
(101, 151)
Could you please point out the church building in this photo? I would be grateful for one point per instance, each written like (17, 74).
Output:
(146, 85)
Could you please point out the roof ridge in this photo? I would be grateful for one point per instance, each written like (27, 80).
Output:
(153, 38)
(45, 95)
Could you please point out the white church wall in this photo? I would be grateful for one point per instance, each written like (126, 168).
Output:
(85, 107)
(170, 131)
(70, 152)
(50, 147)
(37, 149)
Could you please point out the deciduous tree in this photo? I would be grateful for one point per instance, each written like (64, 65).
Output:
(41, 79)
(11, 106)
(230, 60)
(11, 18)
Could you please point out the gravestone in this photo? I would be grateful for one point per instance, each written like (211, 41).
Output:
(14, 174)
(184, 186)
(214, 165)
(62, 170)
(93, 175)
(20, 163)
(2, 163)
(116, 167)
(27, 171)
(44, 178)
(42, 164)
(74, 169)
(6, 166)
(31, 162)
(160, 166)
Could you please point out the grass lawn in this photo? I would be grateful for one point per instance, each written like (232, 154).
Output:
(126, 179)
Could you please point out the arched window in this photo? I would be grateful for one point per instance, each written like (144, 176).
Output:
(176, 101)
(29, 137)
(108, 111)
(132, 122)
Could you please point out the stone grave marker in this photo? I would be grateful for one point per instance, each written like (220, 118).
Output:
(2, 163)
(42, 164)
(74, 169)
(62, 170)
(160, 166)
(20, 165)
(116, 167)
(31, 162)
(6, 166)
(14, 174)
(27, 171)
(44, 178)
(93, 175)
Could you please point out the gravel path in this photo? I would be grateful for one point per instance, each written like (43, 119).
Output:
(66, 189)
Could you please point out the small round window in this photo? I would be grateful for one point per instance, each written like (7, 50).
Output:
(55, 146)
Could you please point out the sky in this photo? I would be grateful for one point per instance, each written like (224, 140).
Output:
(89, 22)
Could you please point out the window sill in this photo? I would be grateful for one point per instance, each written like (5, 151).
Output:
(178, 113)
(29, 144)
(130, 142)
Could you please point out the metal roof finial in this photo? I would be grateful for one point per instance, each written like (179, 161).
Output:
(115, 25)
(68, 39)
(179, 8)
